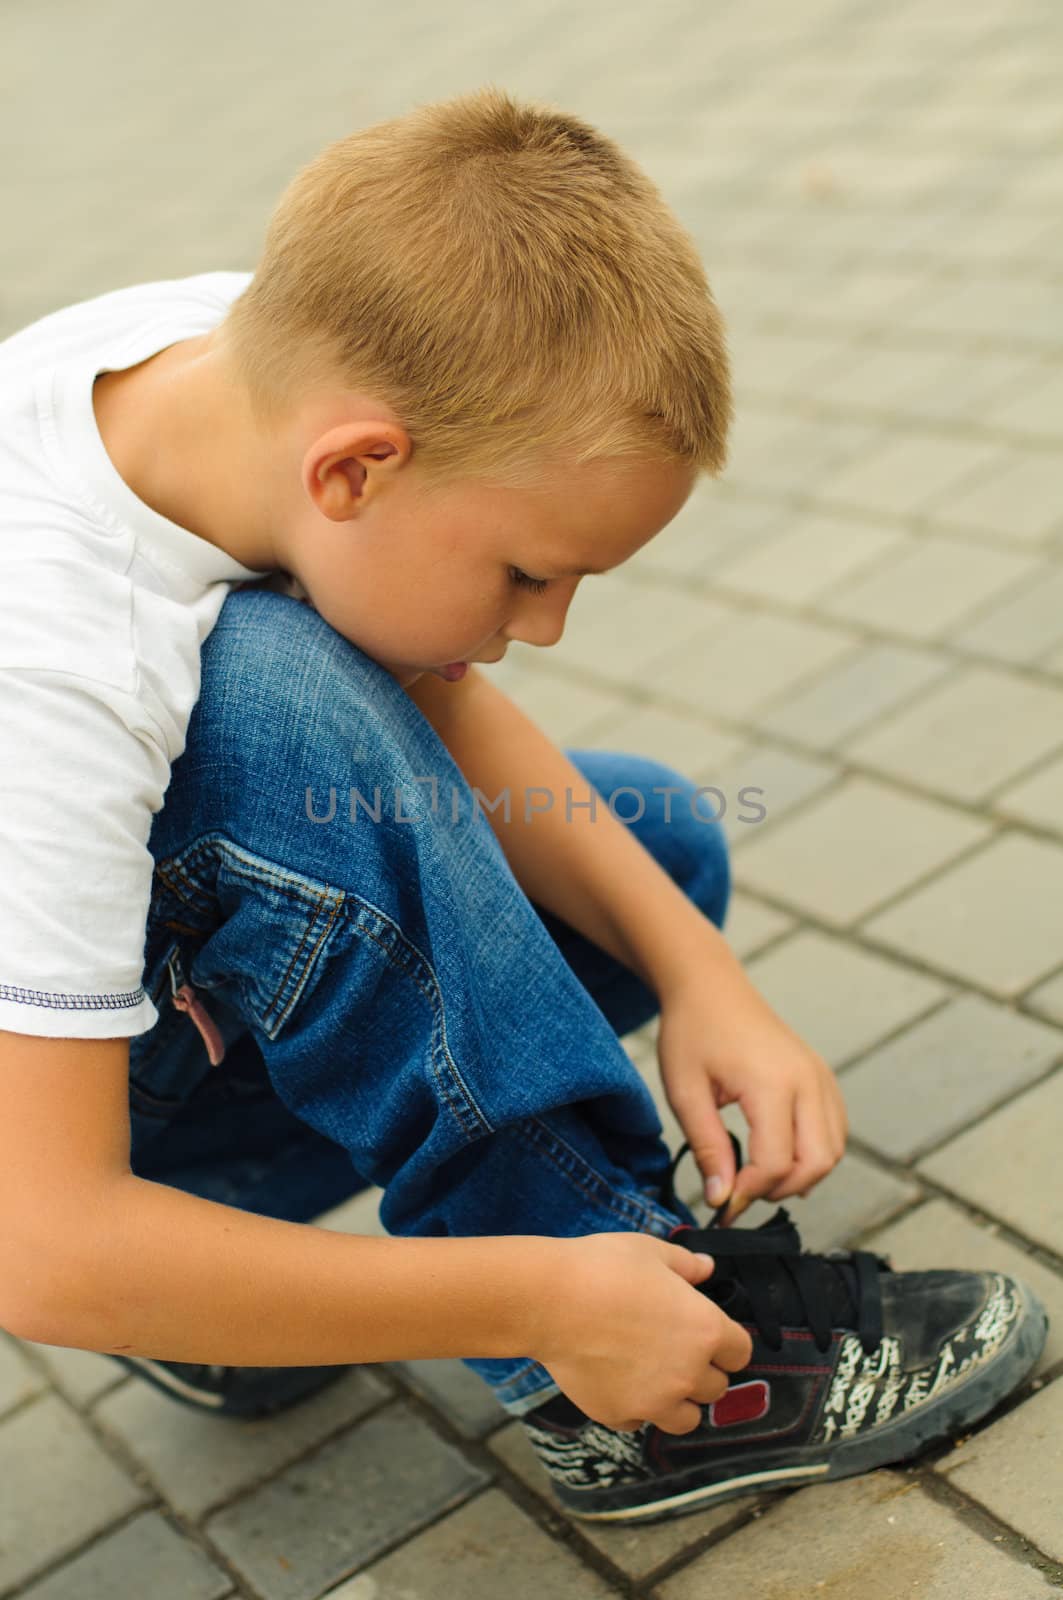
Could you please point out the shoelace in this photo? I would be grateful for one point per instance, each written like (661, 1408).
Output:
(763, 1275)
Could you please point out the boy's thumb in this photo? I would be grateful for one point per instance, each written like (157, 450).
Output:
(693, 1265)
(715, 1157)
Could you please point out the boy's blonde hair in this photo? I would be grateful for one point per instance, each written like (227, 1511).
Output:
(506, 279)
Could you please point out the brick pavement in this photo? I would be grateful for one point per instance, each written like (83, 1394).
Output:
(863, 619)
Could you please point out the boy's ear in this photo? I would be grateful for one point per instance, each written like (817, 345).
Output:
(340, 469)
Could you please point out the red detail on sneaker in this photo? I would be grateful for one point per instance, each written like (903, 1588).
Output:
(743, 1402)
(680, 1227)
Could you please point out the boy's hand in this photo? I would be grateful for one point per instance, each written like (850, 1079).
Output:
(629, 1340)
(725, 1045)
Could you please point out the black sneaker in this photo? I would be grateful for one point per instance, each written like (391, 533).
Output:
(854, 1366)
(233, 1391)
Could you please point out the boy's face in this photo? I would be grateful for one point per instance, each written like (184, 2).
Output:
(416, 573)
(421, 575)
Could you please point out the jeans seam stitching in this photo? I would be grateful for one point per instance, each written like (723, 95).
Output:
(623, 1206)
(324, 901)
(466, 1102)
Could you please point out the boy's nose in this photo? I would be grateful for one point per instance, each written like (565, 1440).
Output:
(540, 621)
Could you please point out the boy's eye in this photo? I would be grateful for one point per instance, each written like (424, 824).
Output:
(522, 578)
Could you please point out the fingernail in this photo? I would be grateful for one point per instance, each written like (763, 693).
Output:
(739, 1204)
(716, 1191)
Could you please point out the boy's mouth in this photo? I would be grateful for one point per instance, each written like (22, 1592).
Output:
(454, 671)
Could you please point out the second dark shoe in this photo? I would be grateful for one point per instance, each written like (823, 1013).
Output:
(232, 1391)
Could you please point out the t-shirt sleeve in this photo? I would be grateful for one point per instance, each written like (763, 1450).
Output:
(79, 786)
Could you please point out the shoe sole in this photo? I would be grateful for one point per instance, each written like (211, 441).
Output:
(889, 1445)
(160, 1377)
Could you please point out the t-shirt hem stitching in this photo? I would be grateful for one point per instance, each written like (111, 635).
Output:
(59, 1001)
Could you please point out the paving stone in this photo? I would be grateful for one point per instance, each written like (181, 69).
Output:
(989, 306)
(761, 784)
(928, 588)
(640, 621)
(902, 475)
(991, 920)
(198, 1460)
(81, 1375)
(1016, 1468)
(1009, 1164)
(682, 741)
(839, 998)
(60, 1488)
(847, 852)
(360, 1214)
(814, 553)
(562, 706)
(853, 1197)
(145, 1554)
(798, 457)
(943, 1072)
(882, 379)
(1024, 627)
(750, 925)
(18, 1380)
(967, 737)
(486, 1549)
(1020, 498)
(733, 669)
(636, 1551)
(455, 1390)
(1036, 410)
(879, 1537)
(1037, 799)
(962, 386)
(712, 529)
(939, 1234)
(875, 680)
(1047, 998)
(782, 362)
(335, 1511)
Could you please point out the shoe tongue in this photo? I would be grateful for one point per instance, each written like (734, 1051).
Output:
(834, 1278)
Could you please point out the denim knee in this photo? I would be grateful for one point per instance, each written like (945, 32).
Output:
(698, 844)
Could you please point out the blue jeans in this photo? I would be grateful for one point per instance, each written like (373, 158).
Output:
(394, 1010)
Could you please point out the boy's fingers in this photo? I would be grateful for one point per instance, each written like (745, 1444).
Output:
(710, 1144)
(814, 1155)
(693, 1265)
(683, 1418)
(735, 1349)
(771, 1151)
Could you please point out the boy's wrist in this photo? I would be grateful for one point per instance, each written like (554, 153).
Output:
(538, 1306)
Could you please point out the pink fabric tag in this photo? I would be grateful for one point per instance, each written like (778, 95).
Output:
(186, 999)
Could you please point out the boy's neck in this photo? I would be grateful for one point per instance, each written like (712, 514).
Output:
(170, 434)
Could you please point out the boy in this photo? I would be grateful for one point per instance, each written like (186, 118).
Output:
(478, 360)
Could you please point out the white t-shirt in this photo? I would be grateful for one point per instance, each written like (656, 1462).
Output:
(104, 605)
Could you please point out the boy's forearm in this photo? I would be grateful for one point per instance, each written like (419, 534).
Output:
(594, 874)
(153, 1271)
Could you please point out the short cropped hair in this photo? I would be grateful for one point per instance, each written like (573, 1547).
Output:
(506, 279)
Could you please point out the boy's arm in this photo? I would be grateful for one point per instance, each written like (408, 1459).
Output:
(96, 1258)
(93, 1256)
(718, 1039)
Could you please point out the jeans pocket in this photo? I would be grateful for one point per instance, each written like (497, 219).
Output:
(263, 928)
(166, 1063)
